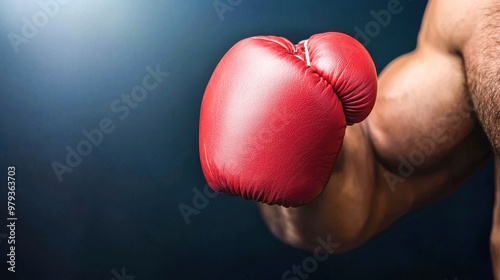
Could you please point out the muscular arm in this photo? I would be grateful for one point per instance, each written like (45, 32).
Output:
(422, 116)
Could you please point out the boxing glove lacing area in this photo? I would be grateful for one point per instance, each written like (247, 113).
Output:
(308, 61)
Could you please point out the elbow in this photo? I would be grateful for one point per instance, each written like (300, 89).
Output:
(335, 241)
(317, 230)
(495, 243)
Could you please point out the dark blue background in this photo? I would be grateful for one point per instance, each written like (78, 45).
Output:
(119, 207)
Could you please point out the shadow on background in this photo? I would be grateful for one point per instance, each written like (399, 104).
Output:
(114, 214)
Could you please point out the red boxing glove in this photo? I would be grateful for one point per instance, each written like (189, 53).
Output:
(274, 114)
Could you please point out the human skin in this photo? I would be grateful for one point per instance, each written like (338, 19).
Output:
(441, 101)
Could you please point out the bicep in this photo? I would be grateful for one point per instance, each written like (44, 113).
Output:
(422, 106)
(423, 103)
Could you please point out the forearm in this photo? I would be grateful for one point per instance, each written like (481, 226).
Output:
(301, 227)
(349, 212)
(341, 211)
(357, 202)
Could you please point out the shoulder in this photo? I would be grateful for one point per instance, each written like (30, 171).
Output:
(452, 25)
